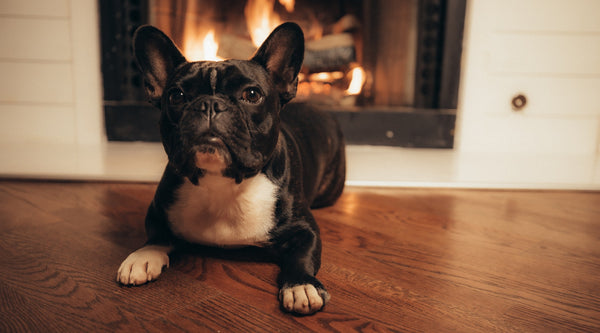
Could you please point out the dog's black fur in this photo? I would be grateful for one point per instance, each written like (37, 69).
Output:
(225, 123)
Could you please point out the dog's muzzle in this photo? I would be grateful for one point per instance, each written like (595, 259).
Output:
(212, 155)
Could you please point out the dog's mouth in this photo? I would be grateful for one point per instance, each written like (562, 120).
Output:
(212, 155)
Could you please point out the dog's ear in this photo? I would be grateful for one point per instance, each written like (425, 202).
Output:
(157, 58)
(281, 55)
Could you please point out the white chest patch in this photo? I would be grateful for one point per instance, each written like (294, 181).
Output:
(220, 212)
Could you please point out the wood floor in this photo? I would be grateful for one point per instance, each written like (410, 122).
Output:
(408, 260)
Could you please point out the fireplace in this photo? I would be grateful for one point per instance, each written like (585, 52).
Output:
(388, 70)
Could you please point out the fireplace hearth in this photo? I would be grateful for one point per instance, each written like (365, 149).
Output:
(388, 70)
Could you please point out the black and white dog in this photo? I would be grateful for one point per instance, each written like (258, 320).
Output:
(243, 169)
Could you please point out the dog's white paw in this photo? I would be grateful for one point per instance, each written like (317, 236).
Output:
(143, 265)
(303, 299)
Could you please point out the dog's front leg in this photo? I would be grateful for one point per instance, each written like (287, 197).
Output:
(146, 264)
(299, 249)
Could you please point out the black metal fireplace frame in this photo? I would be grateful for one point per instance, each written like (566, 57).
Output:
(429, 124)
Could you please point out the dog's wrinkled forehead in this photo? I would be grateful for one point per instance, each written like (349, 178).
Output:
(210, 77)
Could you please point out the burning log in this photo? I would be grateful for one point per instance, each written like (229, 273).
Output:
(347, 23)
(329, 53)
(234, 47)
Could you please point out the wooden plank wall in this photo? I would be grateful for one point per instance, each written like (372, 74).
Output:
(546, 50)
(50, 82)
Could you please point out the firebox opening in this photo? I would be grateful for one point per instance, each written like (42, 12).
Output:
(215, 30)
(381, 66)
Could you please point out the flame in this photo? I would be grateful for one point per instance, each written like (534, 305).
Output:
(260, 19)
(202, 47)
(326, 76)
(288, 4)
(357, 81)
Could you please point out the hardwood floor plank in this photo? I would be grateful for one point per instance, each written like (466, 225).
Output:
(78, 277)
(401, 260)
(20, 314)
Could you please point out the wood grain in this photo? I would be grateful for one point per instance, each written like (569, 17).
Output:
(408, 260)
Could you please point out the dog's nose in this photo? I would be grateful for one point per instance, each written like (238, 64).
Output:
(211, 106)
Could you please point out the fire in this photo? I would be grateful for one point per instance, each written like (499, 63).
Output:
(202, 47)
(326, 76)
(357, 81)
(288, 4)
(261, 19)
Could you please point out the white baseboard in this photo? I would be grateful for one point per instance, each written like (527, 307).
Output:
(367, 166)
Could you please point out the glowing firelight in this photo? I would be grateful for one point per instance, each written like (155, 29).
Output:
(326, 76)
(199, 48)
(357, 81)
(260, 19)
(288, 4)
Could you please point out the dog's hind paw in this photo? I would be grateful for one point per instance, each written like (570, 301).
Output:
(303, 298)
(143, 265)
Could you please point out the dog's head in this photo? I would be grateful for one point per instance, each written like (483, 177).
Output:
(220, 117)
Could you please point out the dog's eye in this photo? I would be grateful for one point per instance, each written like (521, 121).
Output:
(176, 96)
(252, 95)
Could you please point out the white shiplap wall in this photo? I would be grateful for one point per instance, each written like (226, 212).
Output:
(51, 123)
(547, 50)
(50, 88)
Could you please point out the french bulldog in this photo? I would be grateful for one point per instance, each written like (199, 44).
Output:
(244, 166)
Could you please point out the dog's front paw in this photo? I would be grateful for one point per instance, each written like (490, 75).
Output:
(143, 265)
(303, 298)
